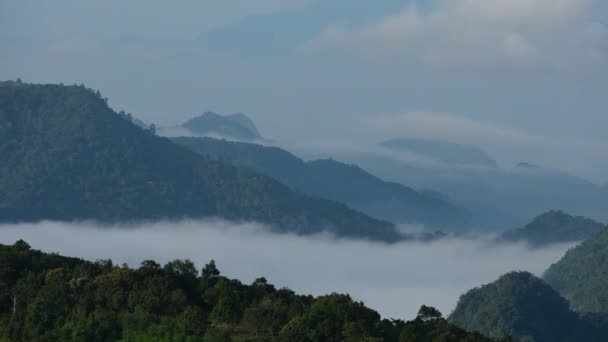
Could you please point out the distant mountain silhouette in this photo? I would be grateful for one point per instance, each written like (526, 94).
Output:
(498, 198)
(236, 126)
(442, 151)
(337, 181)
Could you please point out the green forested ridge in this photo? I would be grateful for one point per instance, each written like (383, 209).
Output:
(336, 181)
(48, 297)
(521, 305)
(554, 227)
(66, 155)
(581, 275)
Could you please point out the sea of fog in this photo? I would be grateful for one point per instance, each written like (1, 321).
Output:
(392, 279)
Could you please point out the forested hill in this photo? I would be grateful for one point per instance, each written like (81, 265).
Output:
(554, 227)
(521, 305)
(337, 181)
(48, 297)
(582, 274)
(66, 156)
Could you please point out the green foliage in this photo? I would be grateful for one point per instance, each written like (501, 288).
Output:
(581, 275)
(66, 299)
(429, 326)
(520, 305)
(335, 181)
(554, 227)
(67, 156)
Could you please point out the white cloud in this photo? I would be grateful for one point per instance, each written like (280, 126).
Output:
(395, 280)
(479, 33)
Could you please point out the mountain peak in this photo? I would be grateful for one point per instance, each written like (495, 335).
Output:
(235, 126)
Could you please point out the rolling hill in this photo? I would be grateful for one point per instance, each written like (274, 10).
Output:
(521, 305)
(554, 227)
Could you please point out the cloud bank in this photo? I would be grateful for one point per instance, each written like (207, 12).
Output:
(478, 33)
(395, 280)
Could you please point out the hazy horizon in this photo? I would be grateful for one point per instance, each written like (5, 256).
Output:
(346, 70)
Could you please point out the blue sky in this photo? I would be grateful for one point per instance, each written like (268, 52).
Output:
(525, 79)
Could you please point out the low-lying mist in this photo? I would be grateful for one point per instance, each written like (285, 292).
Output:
(393, 279)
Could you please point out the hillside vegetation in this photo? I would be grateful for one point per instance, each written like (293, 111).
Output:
(521, 305)
(68, 156)
(48, 297)
(554, 227)
(581, 275)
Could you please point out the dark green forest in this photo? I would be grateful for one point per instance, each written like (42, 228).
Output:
(521, 305)
(581, 275)
(554, 227)
(68, 156)
(337, 181)
(48, 297)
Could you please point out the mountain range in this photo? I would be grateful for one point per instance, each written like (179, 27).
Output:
(337, 181)
(68, 156)
(498, 198)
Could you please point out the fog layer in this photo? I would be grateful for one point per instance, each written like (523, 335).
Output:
(395, 280)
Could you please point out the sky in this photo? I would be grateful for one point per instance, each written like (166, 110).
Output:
(524, 79)
(394, 280)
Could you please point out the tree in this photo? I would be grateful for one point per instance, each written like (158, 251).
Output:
(428, 313)
(210, 274)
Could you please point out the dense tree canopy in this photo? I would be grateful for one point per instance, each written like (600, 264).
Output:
(582, 275)
(66, 155)
(521, 305)
(48, 297)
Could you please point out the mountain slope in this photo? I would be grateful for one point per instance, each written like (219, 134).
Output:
(67, 156)
(554, 227)
(581, 275)
(520, 305)
(336, 181)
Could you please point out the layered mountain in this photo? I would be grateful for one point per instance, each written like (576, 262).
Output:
(581, 275)
(554, 227)
(337, 181)
(66, 155)
(498, 198)
(521, 305)
(442, 151)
